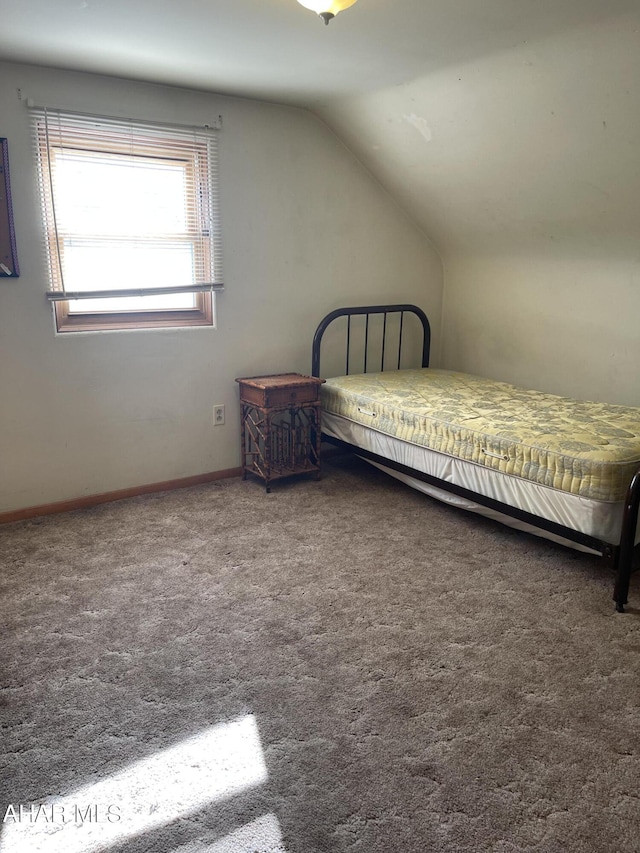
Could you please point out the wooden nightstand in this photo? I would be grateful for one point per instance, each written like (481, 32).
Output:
(280, 420)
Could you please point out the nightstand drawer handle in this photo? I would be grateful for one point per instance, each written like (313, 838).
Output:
(365, 412)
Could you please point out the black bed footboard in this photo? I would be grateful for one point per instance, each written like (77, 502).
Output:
(624, 551)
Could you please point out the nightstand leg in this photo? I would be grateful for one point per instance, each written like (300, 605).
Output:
(243, 441)
(268, 450)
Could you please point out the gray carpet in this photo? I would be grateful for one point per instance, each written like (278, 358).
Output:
(343, 665)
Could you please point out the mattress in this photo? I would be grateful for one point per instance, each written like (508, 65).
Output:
(587, 449)
(599, 519)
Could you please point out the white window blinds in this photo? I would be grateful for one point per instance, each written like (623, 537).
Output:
(130, 207)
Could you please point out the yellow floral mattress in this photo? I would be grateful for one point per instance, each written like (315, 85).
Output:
(587, 449)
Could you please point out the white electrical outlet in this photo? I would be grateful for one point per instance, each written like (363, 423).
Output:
(218, 415)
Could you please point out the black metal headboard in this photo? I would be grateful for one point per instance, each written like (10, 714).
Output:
(368, 310)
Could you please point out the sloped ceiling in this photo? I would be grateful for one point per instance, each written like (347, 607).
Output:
(530, 148)
(492, 122)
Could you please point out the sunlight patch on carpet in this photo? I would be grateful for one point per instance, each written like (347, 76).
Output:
(153, 792)
(260, 836)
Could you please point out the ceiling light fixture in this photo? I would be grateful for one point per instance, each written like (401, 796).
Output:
(327, 9)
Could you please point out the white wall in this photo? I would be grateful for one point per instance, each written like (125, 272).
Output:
(305, 230)
(567, 325)
(523, 167)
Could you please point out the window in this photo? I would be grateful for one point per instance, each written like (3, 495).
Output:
(131, 221)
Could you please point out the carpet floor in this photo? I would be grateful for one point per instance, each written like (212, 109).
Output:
(342, 666)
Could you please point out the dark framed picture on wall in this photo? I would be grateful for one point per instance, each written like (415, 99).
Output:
(8, 254)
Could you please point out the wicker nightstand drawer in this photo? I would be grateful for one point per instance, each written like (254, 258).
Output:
(279, 390)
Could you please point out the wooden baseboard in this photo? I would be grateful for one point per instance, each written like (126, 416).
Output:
(120, 494)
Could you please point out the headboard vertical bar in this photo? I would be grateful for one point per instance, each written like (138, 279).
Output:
(348, 341)
(384, 334)
(366, 340)
(400, 339)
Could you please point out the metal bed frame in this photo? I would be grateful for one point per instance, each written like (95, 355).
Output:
(620, 556)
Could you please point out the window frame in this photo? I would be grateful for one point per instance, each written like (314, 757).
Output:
(200, 173)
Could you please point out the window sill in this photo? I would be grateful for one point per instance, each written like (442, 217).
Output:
(67, 323)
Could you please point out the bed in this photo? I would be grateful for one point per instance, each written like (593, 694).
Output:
(565, 469)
